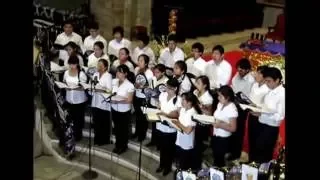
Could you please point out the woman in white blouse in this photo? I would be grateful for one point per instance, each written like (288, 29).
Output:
(140, 98)
(169, 103)
(121, 108)
(225, 115)
(258, 91)
(76, 97)
(71, 48)
(274, 102)
(206, 104)
(98, 54)
(180, 73)
(186, 155)
(101, 109)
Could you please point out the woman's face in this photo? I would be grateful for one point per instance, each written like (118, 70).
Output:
(73, 66)
(199, 85)
(70, 50)
(121, 76)
(222, 99)
(123, 56)
(97, 51)
(158, 74)
(185, 103)
(171, 90)
(141, 62)
(101, 67)
(177, 71)
(258, 77)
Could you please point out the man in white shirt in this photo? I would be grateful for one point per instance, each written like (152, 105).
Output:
(269, 123)
(143, 48)
(171, 54)
(118, 42)
(68, 35)
(243, 80)
(92, 38)
(218, 69)
(196, 65)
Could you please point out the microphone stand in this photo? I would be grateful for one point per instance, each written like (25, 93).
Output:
(140, 148)
(90, 174)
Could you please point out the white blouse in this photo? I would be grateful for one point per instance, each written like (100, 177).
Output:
(257, 93)
(205, 98)
(224, 114)
(123, 91)
(185, 84)
(93, 60)
(184, 140)
(105, 82)
(167, 107)
(149, 76)
(75, 96)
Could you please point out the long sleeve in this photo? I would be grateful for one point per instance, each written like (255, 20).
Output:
(223, 78)
(279, 113)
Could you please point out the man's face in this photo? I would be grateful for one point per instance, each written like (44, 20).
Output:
(117, 36)
(196, 53)
(217, 56)
(93, 32)
(242, 72)
(271, 83)
(68, 29)
(172, 45)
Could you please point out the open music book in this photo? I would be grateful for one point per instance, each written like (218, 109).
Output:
(203, 119)
(62, 85)
(88, 86)
(255, 109)
(169, 121)
(151, 113)
(54, 67)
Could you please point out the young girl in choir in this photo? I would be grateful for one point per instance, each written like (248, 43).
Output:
(225, 124)
(158, 79)
(97, 55)
(121, 108)
(71, 48)
(76, 97)
(169, 103)
(124, 58)
(206, 100)
(274, 102)
(101, 109)
(180, 73)
(140, 97)
(186, 139)
(258, 91)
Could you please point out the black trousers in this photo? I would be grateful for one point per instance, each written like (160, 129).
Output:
(141, 121)
(185, 158)
(101, 126)
(76, 113)
(220, 147)
(121, 127)
(253, 131)
(201, 134)
(236, 140)
(265, 143)
(167, 149)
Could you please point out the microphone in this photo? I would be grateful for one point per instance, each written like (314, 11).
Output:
(95, 80)
(109, 98)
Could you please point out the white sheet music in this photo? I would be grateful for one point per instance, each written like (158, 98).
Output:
(62, 85)
(85, 85)
(204, 119)
(169, 120)
(188, 175)
(54, 67)
(150, 110)
(255, 109)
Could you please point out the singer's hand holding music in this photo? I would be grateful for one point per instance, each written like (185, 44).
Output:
(257, 114)
(216, 124)
(162, 113)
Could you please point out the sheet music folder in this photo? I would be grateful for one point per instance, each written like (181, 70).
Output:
(151, 113)
(169, 121)
(62, 85)
(255, 109)
(203, 119)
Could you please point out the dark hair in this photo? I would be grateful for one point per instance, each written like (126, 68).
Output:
(125, 50)
(173, 82)
(145, 58)
(205, 81)
(99, 44)
(227, 92)
(93, 25)
(218, 48)
(104, 62)
(118, 29)
(190, 97)
(182, 65)
(244, 63)
(129, 57)
(123, 69)
(73, 59)
(172, 37)
(273, 73)
(72, 44)
(198, 46)
(68, 22)
(160, 67)
(262, 68)
(144, 38)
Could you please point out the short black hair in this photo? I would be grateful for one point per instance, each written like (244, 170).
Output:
(144, 38)
(205, 81)
(273, 73)
(123, 69)
(172, 37)
(244, 63)
(146, 59)
(218, 48)
(173, 82)
(160, 67)
(72, 44)
(68, 22)
(227, 92)
(93, 25)
(99, 44)
(104, 62)
(125, 50)
(118, 29)
(198, 46)
(262, 68)
(182, 65)
(73, 59)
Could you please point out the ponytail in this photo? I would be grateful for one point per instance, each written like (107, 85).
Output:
(190, 97)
